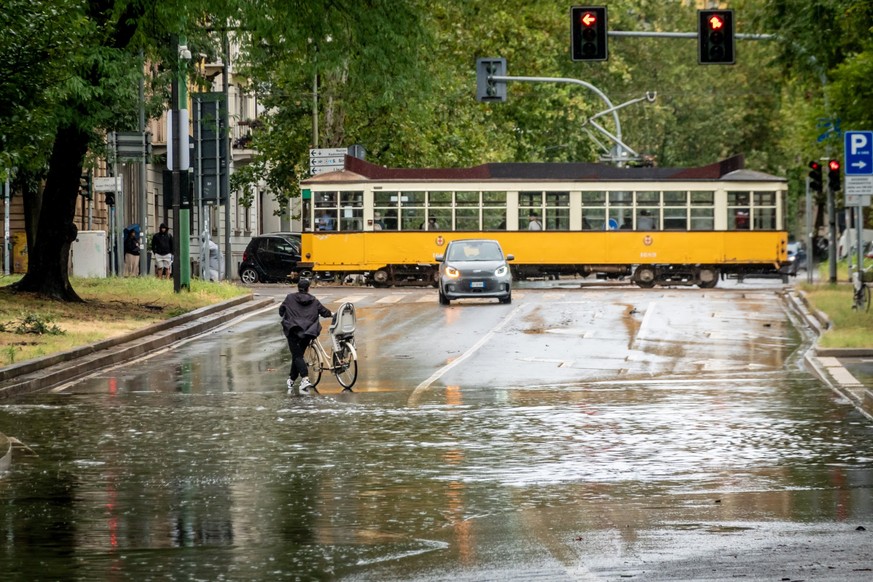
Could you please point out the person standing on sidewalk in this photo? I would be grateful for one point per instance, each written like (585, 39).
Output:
(162, 247)
(131, 254)
(300, 312)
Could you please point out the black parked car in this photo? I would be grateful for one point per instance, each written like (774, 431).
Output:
(270, 257)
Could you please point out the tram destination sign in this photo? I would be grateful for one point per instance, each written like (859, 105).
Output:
(858, 153)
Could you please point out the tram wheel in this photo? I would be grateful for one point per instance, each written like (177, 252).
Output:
(645, 277)
(707, 278)
(381, 278)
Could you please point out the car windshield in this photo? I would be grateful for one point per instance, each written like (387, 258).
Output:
(475, 251)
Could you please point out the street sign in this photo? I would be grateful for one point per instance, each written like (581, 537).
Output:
(109, 184)
(132, 145)
(859, 153)
(327, 160)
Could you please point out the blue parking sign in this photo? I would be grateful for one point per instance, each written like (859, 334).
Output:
(859, 153)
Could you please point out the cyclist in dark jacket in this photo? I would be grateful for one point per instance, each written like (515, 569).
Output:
(300, 312)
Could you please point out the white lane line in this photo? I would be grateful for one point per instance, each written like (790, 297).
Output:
(391, 299)
(350, 299)
(419, 390)
(642, 332)
(427, 298)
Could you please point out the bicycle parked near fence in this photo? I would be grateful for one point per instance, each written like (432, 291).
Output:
(342, 360)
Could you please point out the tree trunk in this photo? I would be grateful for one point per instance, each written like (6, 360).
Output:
(47, 268)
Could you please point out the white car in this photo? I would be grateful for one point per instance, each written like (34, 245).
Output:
(474, 268)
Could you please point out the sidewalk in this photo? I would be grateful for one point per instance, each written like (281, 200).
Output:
(50, 371)
(848, 371)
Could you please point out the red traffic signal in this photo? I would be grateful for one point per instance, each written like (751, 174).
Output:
(588, 33)
(716, 22)
(815, 178)
(834, 175)
(715, 37)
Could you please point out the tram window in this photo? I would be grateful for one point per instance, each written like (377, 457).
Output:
(620, 219)
(765, 198)
(557, 199)
(738, 211)
(307, 215)
(621, 198)
(593, 198)
(557, 219)
(594, 219)
(675, 218)
(443, 218)
(530, 199)
(675, 199)
(355, 199)
(439, 199)
(385, 198)
(411, 218)
(412, 198)
(648, 218)
(351, 210)
(325, 219)
(494, 218)
(765, 218)
(648, 198)
(325, 199)
(702, 218)
(466, 219)
(494, 210)
(702, 198)
(494, 198)
(467, 199)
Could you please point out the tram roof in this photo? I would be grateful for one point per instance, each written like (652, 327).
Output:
(731, 169)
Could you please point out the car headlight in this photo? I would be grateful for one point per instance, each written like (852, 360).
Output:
(501, 271)
(452, 272)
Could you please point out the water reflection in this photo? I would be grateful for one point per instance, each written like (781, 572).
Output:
(189, 470)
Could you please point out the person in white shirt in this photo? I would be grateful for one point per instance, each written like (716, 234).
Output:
(534, 222)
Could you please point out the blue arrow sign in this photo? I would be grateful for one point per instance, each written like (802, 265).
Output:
(859, 153)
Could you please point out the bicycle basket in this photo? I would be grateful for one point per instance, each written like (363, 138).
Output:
(344, 321)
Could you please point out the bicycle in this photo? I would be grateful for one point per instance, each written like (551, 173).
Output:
(343, 358)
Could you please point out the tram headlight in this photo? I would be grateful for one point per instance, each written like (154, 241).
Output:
(452, 272)
(501, 271)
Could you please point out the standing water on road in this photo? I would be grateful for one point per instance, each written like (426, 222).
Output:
(182, 468)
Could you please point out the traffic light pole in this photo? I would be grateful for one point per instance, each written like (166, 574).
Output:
(832, 237)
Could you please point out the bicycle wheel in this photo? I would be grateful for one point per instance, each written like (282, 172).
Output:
(345, 365)
(866, 297)
(313, 362)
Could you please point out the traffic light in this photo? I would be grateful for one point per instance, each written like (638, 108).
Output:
(487, 89)
(834, 175)
(715, 37)
(110, 198)
(815, 177)
(588, 33)
(85, 185)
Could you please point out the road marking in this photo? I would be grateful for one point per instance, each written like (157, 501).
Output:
(426, 298)
(419, 390)
(350, 299)
(391, 298)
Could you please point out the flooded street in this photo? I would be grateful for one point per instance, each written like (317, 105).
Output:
(574, 434)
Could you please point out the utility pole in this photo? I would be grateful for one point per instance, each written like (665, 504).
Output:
(178, 164)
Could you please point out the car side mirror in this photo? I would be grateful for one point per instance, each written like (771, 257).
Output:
(440, 258)
(510, 257)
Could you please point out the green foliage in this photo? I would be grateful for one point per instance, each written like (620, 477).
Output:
(31, 323)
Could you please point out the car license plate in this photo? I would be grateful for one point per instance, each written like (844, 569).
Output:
(477, 285)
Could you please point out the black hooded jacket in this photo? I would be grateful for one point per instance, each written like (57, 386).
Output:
(299, 313)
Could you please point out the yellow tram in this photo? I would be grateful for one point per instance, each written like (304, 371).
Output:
(659, 226)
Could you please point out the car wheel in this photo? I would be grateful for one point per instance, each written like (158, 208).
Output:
(443, 299)
(507, 298)
(249, 276)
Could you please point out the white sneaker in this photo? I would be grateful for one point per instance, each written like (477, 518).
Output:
(304, 386)
(290, 383)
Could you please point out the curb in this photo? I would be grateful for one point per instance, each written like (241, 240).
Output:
(49, 371)
(824, 362)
